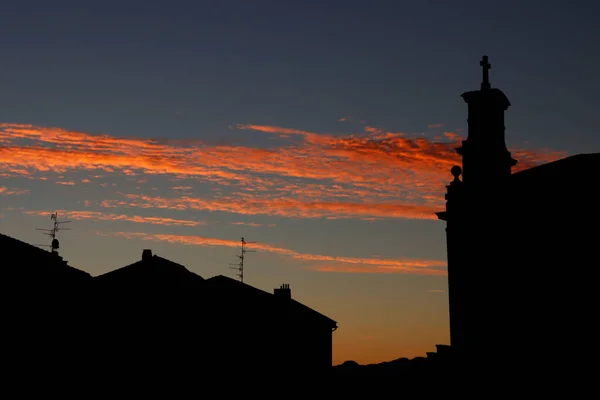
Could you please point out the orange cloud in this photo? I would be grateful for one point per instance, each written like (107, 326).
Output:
(373, 269)
(373, 174)
(12, 192)
(98, 216)
(287, 207)
(341, 264)
(253, 224)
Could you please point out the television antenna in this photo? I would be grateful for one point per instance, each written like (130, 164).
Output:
(240, 265)
(54, 244)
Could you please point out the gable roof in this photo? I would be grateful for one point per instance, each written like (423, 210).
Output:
(152, 271)
(219, 295)
(29, 262)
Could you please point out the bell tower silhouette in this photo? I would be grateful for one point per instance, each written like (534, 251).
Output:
(473, 215)
(485, 157)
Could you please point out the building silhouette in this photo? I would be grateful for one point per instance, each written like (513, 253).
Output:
(217, 322)
(45, 311)
(151, 319)
(519, 248)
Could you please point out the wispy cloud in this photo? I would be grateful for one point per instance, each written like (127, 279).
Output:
(335, 263)
(246, 204)
(253, 224)
(372, 174)
(12, 192)
(99, 216)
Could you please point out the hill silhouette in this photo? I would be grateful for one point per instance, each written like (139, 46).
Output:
(400, 367)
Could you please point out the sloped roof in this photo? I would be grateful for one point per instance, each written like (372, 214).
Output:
(155, 270)
(219, 296)
(236, 290)
(569, 169)
(31, 262)
(570, 180)
(225, 283)
(307, 312)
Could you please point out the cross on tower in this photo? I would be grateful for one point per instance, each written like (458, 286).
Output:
(485, 84)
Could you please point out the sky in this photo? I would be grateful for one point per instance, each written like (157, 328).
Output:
(322, 131)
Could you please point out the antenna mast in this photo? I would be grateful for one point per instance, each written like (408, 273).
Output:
(54, 245)
(240, 265)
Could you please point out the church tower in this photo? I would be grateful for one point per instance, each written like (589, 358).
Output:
(473, 216)
(484, 154)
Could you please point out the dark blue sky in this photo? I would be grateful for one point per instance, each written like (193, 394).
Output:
(191, 68)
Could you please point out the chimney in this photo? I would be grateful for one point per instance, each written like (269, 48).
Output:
(284, 291)
(146, 255)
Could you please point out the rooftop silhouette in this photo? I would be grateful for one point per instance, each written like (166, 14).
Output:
(154, 314)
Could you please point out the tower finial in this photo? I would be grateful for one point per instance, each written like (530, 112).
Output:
(485, 84)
